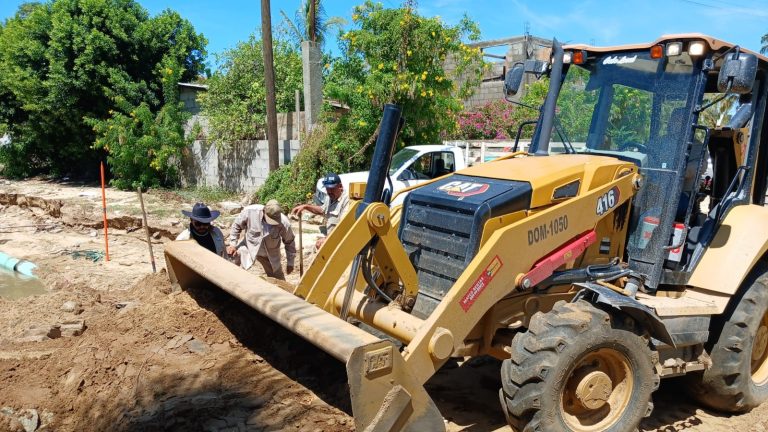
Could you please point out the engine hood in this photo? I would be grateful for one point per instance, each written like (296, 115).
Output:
(554, 178)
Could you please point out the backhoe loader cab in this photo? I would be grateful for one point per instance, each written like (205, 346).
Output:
(651, 106)
(627, 246)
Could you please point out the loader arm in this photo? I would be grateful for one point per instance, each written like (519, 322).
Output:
(346, 241)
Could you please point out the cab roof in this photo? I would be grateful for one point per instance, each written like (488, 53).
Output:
(714, 44)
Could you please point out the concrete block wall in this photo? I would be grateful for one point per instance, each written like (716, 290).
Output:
(242, 166)
(287, 127)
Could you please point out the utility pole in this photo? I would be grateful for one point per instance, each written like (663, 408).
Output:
(269, 82)
(312, 20)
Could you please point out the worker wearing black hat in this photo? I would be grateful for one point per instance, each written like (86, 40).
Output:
(201, 230)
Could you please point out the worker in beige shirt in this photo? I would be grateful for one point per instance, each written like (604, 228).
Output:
(265, 226)
(333, 208)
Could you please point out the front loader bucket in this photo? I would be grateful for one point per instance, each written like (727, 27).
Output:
(384, 394)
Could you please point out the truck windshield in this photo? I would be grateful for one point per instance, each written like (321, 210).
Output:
(401, 158)
(626, 105)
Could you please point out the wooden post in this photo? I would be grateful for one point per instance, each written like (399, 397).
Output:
(104, 207)
(298, 117)
(301, 247)
(146, 230)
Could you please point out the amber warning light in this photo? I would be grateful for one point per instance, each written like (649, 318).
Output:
(579, 57)
(657, 51)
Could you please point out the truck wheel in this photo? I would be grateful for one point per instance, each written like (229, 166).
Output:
(575, 369)
(738, 378)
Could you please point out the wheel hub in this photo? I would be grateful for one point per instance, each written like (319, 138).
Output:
(760, 344)
(595, 388)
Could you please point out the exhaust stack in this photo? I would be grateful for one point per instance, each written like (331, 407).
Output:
(382, 156)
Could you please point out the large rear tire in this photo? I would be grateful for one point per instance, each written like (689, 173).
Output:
(738, 378)
(575, 369)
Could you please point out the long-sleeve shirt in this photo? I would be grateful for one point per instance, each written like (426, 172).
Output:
(263, 237)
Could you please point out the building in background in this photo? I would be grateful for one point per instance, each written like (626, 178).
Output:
(502, 54)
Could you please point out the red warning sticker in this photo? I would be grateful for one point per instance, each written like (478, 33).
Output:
(477, 288)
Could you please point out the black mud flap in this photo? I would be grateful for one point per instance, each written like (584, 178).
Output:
(598, 294)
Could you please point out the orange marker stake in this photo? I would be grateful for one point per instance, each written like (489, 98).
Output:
(104, 207)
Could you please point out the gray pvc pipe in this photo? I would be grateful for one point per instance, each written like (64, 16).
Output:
(14, 264)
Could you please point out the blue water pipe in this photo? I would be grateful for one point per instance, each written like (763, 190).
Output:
(14, 264)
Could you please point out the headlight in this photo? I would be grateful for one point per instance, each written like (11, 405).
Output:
(696, 48)
(674, 49)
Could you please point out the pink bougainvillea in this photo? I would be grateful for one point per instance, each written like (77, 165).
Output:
(494, 120)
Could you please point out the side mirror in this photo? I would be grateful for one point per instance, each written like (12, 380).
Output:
(514, 77)
(737, 75)
(513, 80)
(536, 67)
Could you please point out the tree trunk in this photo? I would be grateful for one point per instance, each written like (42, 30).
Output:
(269, 82)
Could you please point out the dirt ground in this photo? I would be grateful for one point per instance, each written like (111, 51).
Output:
(110, 346)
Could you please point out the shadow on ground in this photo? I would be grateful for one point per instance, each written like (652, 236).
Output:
(252, 391)
(285, 351)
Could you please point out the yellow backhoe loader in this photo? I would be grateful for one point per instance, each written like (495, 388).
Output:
(628, 245)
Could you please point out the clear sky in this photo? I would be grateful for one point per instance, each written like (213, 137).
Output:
(602, 22)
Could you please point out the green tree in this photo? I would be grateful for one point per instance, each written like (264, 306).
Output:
(390, 56)
(399, 57)
(310, 23)
(64, 61)
(719, 113)
(764, 41)
(235, 102)
(144, 146)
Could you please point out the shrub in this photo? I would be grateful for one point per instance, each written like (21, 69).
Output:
(143, 148)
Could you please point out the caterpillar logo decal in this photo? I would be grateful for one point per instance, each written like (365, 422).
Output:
(463, 189)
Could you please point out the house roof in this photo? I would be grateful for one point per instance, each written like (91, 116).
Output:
(194, 86)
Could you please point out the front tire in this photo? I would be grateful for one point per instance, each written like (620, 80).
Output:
(575, 369)
(738, 378)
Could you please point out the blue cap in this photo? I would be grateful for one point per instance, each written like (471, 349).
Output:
(331, 180)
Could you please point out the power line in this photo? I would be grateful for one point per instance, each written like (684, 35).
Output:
(738, 5)
(728, 6)
(700, 4)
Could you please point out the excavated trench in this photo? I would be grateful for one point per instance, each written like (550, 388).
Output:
(53, 209)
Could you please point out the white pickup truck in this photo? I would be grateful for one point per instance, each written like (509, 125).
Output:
(414, 165)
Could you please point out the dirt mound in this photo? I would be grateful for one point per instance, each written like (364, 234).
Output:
(51, 207)
(153, 359)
